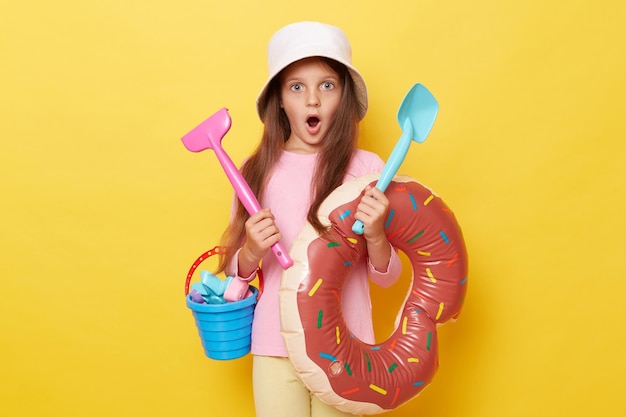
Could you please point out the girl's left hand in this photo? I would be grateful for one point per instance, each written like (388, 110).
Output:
(372, 211)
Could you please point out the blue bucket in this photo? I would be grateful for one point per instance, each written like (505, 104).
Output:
(225, 329)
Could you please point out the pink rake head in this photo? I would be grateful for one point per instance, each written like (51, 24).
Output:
(208, 134)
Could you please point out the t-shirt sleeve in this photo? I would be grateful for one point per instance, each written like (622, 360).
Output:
(233, 269)
(363, 163)
(390, 276)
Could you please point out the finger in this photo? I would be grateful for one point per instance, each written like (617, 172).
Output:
(379, 195)
(368, 203)
(267, 232)
(262, 214)
(262, 229)
(258, 218)
(369, 192)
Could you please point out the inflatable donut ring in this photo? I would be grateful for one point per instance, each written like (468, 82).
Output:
(343, 371)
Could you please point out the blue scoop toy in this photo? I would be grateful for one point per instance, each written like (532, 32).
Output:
(416, 117)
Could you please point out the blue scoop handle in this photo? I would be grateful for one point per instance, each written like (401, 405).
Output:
(391, 167)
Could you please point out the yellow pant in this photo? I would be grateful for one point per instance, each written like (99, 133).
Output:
(278, 392)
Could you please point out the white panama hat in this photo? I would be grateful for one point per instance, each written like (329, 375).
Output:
(301, 40)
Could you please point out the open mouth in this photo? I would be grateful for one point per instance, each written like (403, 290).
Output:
(312, 121)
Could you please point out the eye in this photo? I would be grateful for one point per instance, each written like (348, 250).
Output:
(296, 87)
(328, 85)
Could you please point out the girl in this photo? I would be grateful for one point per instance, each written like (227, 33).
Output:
(310, 107)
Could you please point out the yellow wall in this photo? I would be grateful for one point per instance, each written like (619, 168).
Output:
(103, 210)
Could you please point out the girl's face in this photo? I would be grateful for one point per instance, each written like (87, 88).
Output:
(310, 93)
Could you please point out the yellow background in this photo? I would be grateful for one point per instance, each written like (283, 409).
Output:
(103, 210)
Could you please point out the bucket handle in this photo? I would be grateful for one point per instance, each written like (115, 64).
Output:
(217, 250)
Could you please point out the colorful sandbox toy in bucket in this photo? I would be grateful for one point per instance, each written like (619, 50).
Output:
(224, 327)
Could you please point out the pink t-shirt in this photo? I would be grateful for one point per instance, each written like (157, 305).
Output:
(288, 195)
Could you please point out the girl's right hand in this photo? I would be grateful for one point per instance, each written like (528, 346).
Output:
(261, 234)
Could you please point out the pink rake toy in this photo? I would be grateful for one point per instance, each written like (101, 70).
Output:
(208, 135)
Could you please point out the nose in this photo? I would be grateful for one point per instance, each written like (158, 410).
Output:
(313, 99)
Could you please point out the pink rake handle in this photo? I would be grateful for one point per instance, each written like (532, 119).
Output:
(208, 135)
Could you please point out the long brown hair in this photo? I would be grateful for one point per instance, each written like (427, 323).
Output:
(333, 160)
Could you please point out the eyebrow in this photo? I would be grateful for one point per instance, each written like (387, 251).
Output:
(329, 77)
